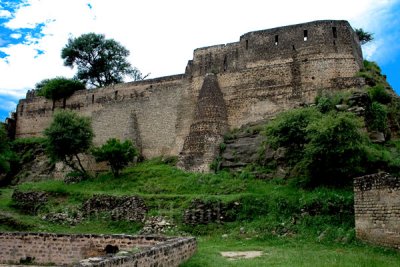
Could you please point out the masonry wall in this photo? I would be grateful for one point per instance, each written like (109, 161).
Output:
(377, 209)
(265, 72)
(63, 249)
(144, 112)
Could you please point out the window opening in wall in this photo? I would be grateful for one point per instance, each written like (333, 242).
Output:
(110, 249)
(115, 95)
(334, 31)
(21, 111)
(305, 35)
(247, 44)
(64, 102)
(276, 39)
(294, 48)
(92, 99)
(334, 42)
(225, 63)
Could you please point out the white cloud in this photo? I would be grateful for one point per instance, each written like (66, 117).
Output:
(161, 35)
(5, 14)
(16, 35)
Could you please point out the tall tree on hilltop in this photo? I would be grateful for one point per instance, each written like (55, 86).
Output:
(99, 61)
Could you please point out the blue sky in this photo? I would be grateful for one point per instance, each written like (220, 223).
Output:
(161, 35)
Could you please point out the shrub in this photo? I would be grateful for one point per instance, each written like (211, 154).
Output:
(58, 88)
(378, 118)
(67, 136)
(7, 157)
(117, 154)
(335, 150)
(379, 94)
(290, 130)
(322, 149)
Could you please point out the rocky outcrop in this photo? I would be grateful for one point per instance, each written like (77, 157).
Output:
(29, 202)
(205, 212)
(241, 151)
(130, 208)
(156, 225)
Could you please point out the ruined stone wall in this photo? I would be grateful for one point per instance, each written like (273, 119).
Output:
(272, 70)
(64, 249)
(265, 72)
(377, 209)
(144, 112)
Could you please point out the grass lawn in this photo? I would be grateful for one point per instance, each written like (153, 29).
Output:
(291, 226)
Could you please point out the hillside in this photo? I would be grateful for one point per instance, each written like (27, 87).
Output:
(291, 226)
(260, 198)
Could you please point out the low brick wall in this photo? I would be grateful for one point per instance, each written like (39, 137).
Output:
(377, 209)
(94, 250)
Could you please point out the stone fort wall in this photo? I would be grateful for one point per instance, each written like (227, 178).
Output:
(75, 249)
(265, 72)
(377, 209)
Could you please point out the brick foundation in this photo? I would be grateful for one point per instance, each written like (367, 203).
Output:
(377, 209)
(72, 250)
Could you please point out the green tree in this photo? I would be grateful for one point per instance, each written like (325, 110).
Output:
(99, 61)
(5, 152)
(67, 136)
(117, 154)
(363, 36)
(58, 88)
(335, 149)
(289, 130)
(378, 117)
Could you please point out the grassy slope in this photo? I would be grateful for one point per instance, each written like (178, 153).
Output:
(293, 227)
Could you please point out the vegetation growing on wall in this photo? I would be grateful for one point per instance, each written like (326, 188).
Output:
(58, 88)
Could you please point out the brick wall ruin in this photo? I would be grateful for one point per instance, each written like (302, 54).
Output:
(265, 72)
(74, 250)
(377, 209)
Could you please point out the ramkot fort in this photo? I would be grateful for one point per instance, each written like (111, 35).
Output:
(223, 87)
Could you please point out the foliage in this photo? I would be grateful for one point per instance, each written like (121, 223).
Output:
(363, 36)
(289, 130)
(58, 88)
(6, 155)
(379, 94)
(378, 118)
(278, 219)
(321, 148)
(326, 101)
(99, 61)
(372, 74)
(118, 154)
(335, 150)
(67, 136)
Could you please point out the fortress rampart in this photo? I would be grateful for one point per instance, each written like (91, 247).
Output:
(265, 72)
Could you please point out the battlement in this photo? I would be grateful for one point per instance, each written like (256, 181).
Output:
(327, 36)
(263, 73)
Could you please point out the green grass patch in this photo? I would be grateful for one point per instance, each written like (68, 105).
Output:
(292, 226)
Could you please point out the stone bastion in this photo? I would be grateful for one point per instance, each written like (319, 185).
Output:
(94, 250)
